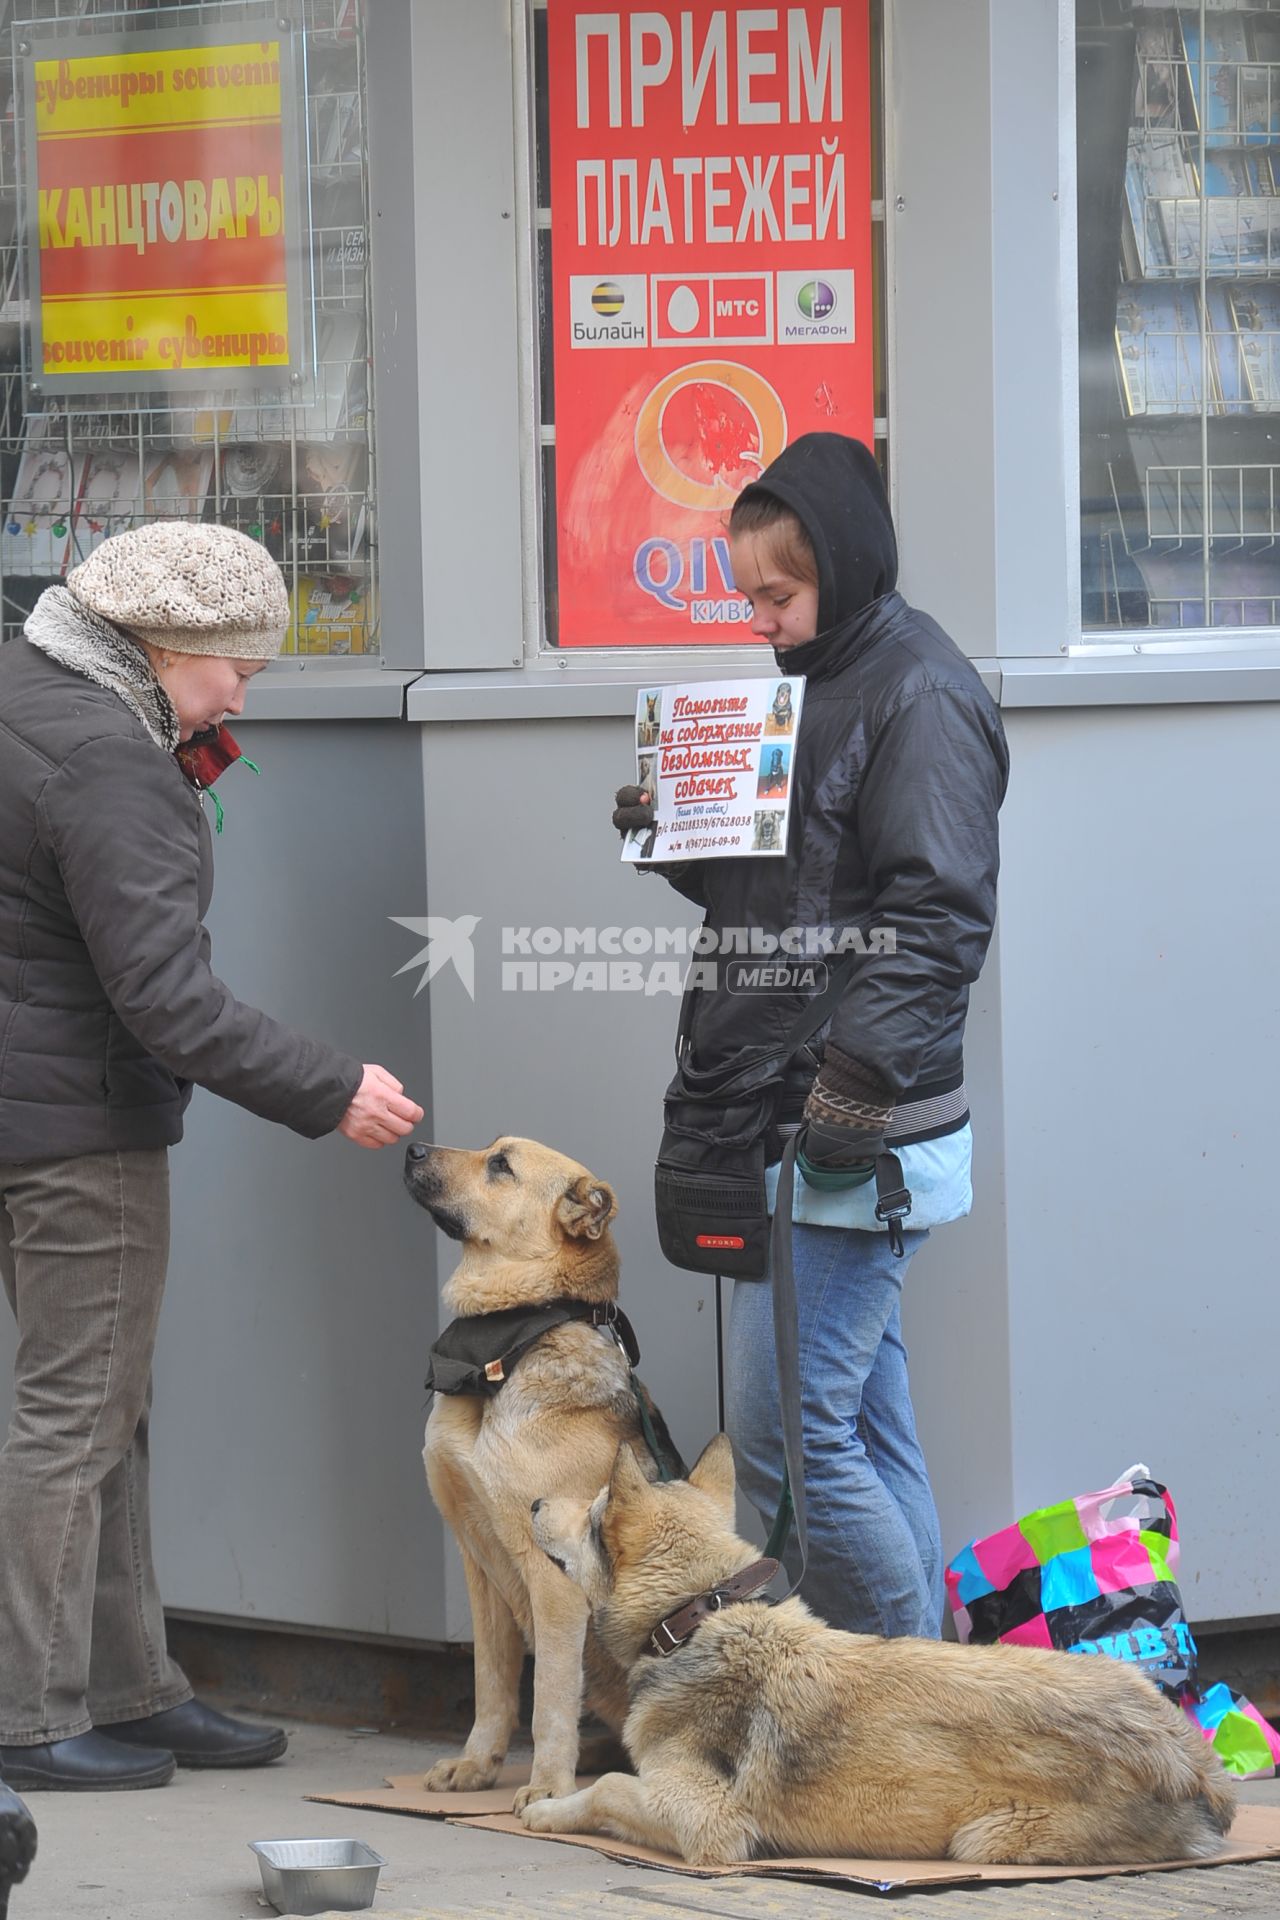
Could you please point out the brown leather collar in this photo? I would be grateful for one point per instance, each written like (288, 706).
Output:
(672, 1632)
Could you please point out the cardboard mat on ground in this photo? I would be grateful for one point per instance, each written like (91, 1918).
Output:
(1255, 1836)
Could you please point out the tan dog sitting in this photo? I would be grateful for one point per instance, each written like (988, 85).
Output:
(531, 1394)
(757, 1730)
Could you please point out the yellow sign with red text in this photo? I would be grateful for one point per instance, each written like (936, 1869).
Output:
(161, 212)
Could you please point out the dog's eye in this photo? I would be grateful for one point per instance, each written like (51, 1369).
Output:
(499, 1164)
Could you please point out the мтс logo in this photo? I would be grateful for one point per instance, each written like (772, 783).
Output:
(816, 300)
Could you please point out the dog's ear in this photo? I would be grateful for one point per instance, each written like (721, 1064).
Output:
(586, 1209)
(714, 1473)
(626, 1478)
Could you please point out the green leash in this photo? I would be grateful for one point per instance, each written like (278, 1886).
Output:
(218, 814)
(647, 1428)
(780, 1531)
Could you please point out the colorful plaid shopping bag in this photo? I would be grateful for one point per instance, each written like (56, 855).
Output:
(1097, 1575)
(1245, 1743)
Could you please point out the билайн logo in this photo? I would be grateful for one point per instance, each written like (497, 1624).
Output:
(608, 309)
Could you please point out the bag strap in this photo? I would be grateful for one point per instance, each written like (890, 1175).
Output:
(786, 1342)
(771, 1065)
(818, 1009)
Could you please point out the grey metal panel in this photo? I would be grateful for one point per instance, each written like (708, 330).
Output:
(1154, 676)
(980, 269)
(293, 692)
(464, 188)
(1036, 511)
(942, 400)
(398, 229)
(446, 333)
(1141, 1026)
(289, 1401)
(529, 845)
(586, 1070)
(289, 1407)
(1108, 1300)
(576, 694)
(571, 690)
(1149, 678)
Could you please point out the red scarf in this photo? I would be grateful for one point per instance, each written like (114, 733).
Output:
(207, 755)
(204, 758)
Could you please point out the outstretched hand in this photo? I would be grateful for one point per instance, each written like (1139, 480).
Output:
(381, 1112)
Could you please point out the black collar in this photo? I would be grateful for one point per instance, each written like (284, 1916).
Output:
(479, 1352)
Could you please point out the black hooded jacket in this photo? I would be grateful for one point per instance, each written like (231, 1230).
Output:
(900, 769)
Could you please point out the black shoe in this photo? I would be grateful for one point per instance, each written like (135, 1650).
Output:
(200, 1736)
(17, 1840)
(89, 1763)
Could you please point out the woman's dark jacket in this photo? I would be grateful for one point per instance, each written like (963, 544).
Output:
(108, 1008)
(899, 771)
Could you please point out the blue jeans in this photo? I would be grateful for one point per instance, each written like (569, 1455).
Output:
(875, 1551)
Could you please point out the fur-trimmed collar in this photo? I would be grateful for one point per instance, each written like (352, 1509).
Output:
(64, 629)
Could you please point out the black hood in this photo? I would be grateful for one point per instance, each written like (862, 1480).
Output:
(833, 485)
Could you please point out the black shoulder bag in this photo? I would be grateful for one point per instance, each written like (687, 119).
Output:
(720, 1133)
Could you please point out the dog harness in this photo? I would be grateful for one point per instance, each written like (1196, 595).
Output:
(479, 1353)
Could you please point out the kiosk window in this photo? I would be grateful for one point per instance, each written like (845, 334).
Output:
(1179, 219)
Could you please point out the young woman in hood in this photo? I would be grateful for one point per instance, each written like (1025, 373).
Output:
(898, 772)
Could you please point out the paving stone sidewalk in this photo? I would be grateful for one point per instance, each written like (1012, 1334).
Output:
(181, 1853)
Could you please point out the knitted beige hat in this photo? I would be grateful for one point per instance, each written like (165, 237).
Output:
(190, 587)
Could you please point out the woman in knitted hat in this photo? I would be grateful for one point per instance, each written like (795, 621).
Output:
(109, 1013)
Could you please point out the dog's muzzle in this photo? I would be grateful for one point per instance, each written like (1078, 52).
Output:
(422, 1178)
(421, 1171)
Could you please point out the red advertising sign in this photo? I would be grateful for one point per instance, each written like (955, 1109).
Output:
(711, 252)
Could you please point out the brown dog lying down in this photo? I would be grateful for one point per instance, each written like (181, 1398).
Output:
(534, 1229)
(767, 1732)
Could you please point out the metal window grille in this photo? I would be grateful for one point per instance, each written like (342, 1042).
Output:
(293, 466)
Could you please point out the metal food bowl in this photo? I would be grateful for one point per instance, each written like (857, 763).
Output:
(318, 1876)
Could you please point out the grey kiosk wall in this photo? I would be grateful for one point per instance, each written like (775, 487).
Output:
(1111, 1295)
